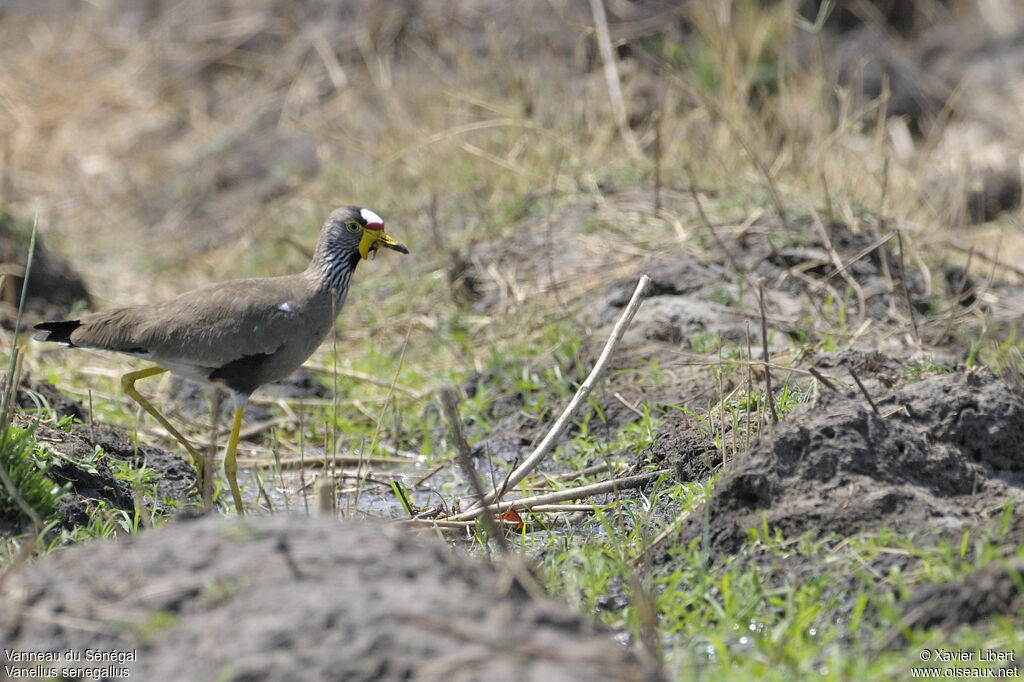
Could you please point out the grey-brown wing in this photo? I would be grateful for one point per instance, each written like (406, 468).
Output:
(207, 327)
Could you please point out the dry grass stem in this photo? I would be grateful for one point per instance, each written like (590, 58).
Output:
(823, 379)
(864, 391)
(840, 267)
(870, 248)
(707, 223)
(764, 349)
(450, 407)
(665, 535)
(587, 471)
(324, 460)
(611, 77)
(750, 384)
(657, 161)
(906, 291)
(880, 228)
(366, 378)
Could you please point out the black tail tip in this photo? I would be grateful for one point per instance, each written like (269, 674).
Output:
(57, 332)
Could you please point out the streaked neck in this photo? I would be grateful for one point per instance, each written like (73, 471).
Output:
(332, 271)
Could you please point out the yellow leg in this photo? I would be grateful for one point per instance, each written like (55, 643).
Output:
(230, 465)
(128, 384)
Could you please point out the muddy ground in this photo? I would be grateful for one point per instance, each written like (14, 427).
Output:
(932, 456)
(923, 445)
(275, 598)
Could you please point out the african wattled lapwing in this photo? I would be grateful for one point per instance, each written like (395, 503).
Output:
(239, 334)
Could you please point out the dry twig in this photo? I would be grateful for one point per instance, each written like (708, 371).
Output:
(764, 357)
(823, 379)
(840, 267)
(906, 291)
(864, 391)
(450, 406)
(562, 423)
(614, 485)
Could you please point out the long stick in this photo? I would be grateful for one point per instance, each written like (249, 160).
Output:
(611, 486)
(559, 427)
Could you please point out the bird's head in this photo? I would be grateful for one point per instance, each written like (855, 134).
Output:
(351, 230)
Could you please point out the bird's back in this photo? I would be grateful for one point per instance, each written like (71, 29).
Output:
(252, 330)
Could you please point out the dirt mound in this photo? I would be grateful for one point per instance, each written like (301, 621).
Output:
(273, 598)
(692, 454)
(93, 476)
(38, 394)
(994, 589)
(938, 453)
(90, 458)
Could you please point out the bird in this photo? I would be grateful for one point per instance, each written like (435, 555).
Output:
(238, 334)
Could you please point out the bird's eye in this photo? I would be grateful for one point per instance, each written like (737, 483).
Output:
(352, 226)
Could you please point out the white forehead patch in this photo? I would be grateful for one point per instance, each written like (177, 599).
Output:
(370, 217)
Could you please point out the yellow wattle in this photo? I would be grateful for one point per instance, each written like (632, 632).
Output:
(368, 239)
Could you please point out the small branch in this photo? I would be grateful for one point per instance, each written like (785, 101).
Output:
(657, 161)
(764, 357)
(611, 77)
(447, 524)
(559, 427)
(625, 403)
(864, 391)
(614, 485)
(450, 406)
(906, 292)
(821, 377)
